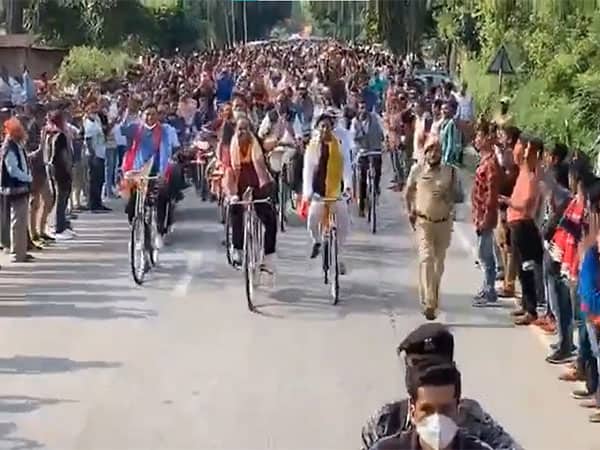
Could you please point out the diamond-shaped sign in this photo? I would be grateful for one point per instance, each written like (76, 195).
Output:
(501, 63)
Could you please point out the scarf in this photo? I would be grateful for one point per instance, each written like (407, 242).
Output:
(258, 162)
(335, 163)
(567, 236)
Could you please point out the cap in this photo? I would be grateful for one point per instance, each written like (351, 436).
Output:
(428, 339)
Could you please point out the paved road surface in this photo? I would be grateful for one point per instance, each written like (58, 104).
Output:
(91, 362)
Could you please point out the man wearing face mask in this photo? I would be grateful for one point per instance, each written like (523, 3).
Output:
(434, 389)
(369, 136)
(430, 190)
(433, 343)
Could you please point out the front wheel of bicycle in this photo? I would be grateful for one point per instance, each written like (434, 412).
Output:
(373, 208)
(153, 228)
(326, 260)
(137, 251)
(335, 266)
(248, 263)
(282, 200)
(228, 237)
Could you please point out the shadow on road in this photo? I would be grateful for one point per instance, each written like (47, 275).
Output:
(36, 365)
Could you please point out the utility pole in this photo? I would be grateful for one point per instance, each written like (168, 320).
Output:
(233, 36)
(245, 12)
(14, 16)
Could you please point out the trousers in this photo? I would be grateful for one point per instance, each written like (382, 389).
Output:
(96, 180)
(433, 240)
(315, 216)
(18, 227)
(527, 243)
(266, 214)
(363, 162)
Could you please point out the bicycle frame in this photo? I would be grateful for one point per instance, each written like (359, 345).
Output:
(330, 245)
(253, 251)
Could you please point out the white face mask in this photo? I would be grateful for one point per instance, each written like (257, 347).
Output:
(437, 431)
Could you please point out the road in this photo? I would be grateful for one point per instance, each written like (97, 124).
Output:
(91, 362)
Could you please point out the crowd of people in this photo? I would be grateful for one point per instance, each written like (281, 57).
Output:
(534, 206)
(535, 211)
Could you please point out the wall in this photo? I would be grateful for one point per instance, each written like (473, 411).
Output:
(37, 60)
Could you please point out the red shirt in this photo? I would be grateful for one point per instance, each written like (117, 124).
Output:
(484, 195)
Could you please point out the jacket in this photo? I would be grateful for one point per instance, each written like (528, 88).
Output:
(369, 139)
(15, 177)
(394, 418)
(409, 440)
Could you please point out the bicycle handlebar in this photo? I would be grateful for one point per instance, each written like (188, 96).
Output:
(248, 202)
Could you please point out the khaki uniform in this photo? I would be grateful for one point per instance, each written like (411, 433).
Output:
(432, 195)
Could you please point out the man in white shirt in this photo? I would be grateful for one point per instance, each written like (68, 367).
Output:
(95, 142)
(465, 113)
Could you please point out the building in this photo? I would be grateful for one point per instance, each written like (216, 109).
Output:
(19, 50)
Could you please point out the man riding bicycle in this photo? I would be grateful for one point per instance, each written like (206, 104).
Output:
(151, 139)
(327, 170)
(369, 136)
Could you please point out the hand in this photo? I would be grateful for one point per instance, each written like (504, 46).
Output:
(234, 199)
(303, 208)
(504, 200)
(412, 219)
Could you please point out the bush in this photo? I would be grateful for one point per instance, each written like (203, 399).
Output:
(84, 64)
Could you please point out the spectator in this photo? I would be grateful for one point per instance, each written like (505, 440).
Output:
(525, 238)
(42, 196)
(450, 136)
(486, 188)
(95, 142)
(15, 184)
(61, 168)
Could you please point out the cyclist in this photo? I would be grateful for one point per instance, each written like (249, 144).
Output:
(369, 136)
(150, 139)
(247, 168)
(327, 169)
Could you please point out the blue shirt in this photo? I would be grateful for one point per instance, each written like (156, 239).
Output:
(370, 98)
(589, 276)
(225, 85)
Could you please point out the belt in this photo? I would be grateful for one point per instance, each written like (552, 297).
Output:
(429, 219)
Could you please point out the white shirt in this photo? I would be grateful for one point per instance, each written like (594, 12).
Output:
(92, 129)
(465, 109)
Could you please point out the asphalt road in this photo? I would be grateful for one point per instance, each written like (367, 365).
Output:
(91, 362)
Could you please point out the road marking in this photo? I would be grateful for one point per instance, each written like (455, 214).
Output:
(193, 262)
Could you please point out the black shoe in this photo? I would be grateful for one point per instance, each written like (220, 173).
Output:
(559, 357)
(429, 314)
(105, 208)
(45, 237)
(361, 213)
(28, 258)
(179, 196)
(316, 249)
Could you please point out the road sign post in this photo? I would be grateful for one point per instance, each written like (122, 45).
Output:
(501, 66)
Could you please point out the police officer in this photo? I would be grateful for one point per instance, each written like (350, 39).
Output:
(430, 196)
(427, 345)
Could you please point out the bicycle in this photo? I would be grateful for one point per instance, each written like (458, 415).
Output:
(279, 160)
(253, 249)
(372, 197)
(203, 157)
(143, 250)
(330, 251)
